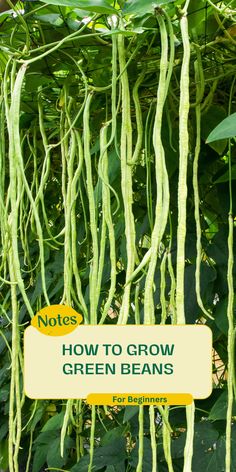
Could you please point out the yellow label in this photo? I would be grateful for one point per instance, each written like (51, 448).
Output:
(56, 320)
(139, 399)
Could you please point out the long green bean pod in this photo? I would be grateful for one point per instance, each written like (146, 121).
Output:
(93, 216)
(162, 184)
(153, 437)
(200, 91)
(126, 180)
(188, 450)
(106, 208)
(167, 443)
(92, 433)
(139, 467)
(139, 121)
(183, 165)
(182, 206)
(14, 150)
(230, 313)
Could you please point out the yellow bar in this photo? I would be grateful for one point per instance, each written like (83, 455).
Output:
(121, 399)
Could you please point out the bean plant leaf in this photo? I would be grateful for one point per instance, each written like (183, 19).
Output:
(39, 457)
(225, 176)
(213, 459)
(54, 423)
(224, 130)
(113, 434)
(4, 454)
(98, 6)
(141, 7)
(112, 454)
(220, 316)
(219, 409)
(54, 458)
(116, 468)
(53, 19)
(130, 411)
(205, 435)
(209, 121)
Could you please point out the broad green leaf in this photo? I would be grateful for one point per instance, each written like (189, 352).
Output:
(54, 458)
(3, 428)
(113, 434)
(213, 459)
(4, 454)
(220, 316)
(82, 465)
(37, 417)
(96, 6)
(54, 423)
(116, 468)
(224, 130)
(52, 18)
(225, 176)
(205, 435)
(218, 250)
(208, 275)
(130, 411)
(219, 409)
(113, 453)
(212, 221)
(209, 120)
(46, 437)
(141, 7)
(39, 457)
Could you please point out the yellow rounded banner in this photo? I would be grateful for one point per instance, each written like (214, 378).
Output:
(133, 399)
(56, 320)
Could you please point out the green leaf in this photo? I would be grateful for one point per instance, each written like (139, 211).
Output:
(220, 316)
(209, 120)
(130, 411)
(208, 275)
(82, 465)
(54, 423)
(39, 457)
(3, 428)
(205, 436)
(45, 438)
(224, 130)
(141, 7)
(116, 468)
(112, 454)
(4, 454)
(98, 6)
(54, 458)
(113, 434)
(213, 459)
(219, 409)
(52, 18)
(37, 417)
(225, 177)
